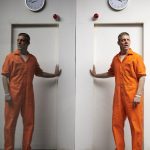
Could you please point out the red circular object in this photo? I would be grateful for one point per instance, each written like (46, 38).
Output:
(96, 16)
(56, 17)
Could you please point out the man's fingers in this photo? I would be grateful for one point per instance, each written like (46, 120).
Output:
(94, 68)
(91, 72)
(57, 71)
(135, 104)
(9, 102)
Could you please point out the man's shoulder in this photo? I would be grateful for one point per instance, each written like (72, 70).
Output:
(135, 54)
(10, 54)
(137, 57)
(116, 56)
(32, 56)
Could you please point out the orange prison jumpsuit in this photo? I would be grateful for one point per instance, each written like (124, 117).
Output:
(20, 75)
(127, 74)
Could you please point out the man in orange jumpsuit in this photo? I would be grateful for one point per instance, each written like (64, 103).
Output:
(129, 71)
(18, 71)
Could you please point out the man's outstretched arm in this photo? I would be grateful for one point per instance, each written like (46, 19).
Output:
(101, 75)
(50, 75)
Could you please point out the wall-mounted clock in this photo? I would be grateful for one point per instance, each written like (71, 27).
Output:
(35, 5)
(118, 4)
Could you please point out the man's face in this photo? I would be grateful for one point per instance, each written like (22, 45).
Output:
(22, 43)
(124, 42)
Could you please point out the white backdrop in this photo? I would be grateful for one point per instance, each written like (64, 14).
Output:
(80, 116)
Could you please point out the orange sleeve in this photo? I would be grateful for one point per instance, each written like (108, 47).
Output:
(140, 68)
(38, 70)
(6, 68)
(111, 69)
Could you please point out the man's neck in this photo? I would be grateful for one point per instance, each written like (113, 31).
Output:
(23, 51)
(123, 52)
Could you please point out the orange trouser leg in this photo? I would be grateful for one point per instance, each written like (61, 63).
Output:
(135, 117)
(118, 120)
(118, 128)
(27, 113)
(11, 116)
